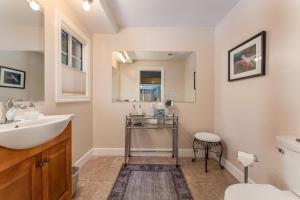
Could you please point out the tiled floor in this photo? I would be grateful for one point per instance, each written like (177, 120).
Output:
(98, 175)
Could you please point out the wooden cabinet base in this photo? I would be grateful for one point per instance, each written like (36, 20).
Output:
(40, 173)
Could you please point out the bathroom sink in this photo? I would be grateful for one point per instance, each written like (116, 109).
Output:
(25, 134)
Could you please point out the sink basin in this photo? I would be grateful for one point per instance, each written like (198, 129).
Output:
(26, 134)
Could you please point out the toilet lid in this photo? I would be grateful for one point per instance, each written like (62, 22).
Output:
(254, 192)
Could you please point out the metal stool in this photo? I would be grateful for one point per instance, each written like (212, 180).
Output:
(208, 143)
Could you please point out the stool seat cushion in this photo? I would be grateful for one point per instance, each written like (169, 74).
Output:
(207, 137)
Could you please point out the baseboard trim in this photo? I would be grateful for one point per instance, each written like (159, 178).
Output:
(81, 161)
(232, 169)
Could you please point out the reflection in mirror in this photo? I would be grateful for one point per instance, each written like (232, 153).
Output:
(21, 51)
(150, 85)
(150, 76)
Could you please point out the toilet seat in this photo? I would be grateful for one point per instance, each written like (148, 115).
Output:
(256, 192)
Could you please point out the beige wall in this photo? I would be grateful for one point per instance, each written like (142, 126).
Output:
(250, 113)
(22, 38)
(173, 79)
(109, 117)
(82, 124)
(33, 65)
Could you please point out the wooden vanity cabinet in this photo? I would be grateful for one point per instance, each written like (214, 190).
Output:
(22, 181)
(56, 172)
(40, 173)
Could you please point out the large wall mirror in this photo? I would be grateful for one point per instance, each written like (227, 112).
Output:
(153, 76)
(21, 51)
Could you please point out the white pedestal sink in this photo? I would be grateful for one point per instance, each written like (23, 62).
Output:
(26, 134)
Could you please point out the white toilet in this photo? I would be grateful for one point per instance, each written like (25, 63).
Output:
(289, 148)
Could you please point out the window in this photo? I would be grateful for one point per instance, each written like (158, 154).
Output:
(76, 54)
(71, 51)
(64, 48)
(72, 61)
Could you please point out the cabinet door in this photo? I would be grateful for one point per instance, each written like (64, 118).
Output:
(22, 181)
(57, 172)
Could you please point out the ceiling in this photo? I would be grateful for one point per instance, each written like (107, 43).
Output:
(98, 19)
(169, 13)
(18, 12)
(106, 16)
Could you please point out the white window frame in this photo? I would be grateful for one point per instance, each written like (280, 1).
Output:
(71, 54)
(156, 69)
(63, 23)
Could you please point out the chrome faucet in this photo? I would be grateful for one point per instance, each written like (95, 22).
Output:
(9, 110)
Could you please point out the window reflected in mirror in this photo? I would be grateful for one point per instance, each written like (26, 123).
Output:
(150, 86)
(153, 76)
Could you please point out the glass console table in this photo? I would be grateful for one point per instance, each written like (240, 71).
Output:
(147, 122)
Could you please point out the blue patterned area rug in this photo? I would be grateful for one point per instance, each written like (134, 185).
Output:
(150, 182)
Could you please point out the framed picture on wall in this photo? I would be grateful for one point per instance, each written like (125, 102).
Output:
(248, 59)
(12, 78)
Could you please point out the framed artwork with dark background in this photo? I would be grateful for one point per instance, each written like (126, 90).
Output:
(248, 59)
(12, 78)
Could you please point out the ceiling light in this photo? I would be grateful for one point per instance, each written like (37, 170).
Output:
(34, 5)
(86, 5)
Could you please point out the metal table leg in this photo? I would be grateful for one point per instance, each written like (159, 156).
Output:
(173, 147)
(176, 144)
(126, 145)
(129, 143)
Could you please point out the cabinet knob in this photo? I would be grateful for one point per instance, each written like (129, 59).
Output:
(46, 160)
(40, 164)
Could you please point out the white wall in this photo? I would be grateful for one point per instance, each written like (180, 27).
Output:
(33, 64)
(22, 38)
(109, 117)
(250, 113)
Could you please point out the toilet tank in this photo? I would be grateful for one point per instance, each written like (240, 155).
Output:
(289, 148)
